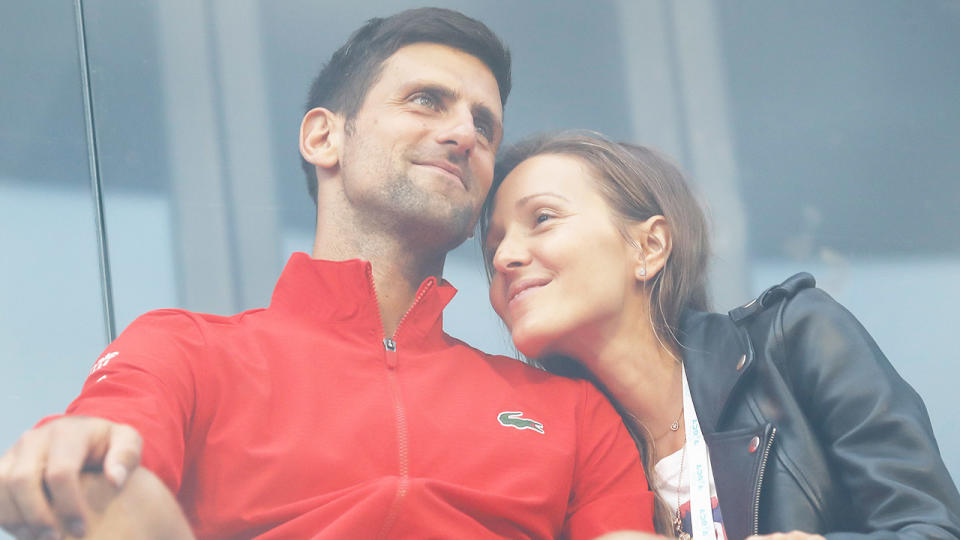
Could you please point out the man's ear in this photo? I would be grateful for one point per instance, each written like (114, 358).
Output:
(321, 135)
(654, 243)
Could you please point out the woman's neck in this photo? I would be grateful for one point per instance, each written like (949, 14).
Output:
(643, 374)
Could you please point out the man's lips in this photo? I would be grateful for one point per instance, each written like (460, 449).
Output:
(447, 167)
(518, 288)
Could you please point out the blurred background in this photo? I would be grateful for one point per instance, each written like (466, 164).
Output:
(148, 159)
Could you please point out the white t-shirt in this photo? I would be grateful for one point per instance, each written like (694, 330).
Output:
(667, 482)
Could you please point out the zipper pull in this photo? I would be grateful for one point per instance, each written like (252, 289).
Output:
(390, 346)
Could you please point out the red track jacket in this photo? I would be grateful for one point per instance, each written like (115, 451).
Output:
(303, 421)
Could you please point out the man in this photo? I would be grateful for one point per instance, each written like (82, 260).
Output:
(343, 410)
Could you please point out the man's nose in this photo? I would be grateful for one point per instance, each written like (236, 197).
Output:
(459, 132)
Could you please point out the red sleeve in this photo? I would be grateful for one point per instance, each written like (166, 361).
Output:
(610, 491)
(146, 379)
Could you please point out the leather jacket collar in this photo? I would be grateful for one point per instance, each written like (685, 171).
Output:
(716, 355)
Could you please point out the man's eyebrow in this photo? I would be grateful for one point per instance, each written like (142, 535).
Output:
(437, 89)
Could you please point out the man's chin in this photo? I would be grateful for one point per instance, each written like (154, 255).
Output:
(441, 226)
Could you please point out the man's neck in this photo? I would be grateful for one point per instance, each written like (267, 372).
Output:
(397, 271)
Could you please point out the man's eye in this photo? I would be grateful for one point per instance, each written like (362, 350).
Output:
(484, 131)
(425, 100)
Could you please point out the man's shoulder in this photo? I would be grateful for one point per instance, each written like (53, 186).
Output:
(180, 325)
(179, 318)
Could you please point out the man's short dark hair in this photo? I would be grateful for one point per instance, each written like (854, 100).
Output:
(343, 82)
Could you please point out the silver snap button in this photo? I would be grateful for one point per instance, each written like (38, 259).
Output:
(741, 362)
(754, 444)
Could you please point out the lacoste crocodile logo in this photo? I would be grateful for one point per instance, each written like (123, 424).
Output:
(515, 419)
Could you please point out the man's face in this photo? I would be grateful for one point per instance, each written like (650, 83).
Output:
(418, 156)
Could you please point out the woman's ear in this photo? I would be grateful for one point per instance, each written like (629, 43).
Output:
(654, 243)
(321, 134)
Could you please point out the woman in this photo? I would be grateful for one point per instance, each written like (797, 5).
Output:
(782, 416)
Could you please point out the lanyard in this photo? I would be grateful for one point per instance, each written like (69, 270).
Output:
(698, 474)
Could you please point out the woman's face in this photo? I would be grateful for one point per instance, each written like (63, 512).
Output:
(562, 271)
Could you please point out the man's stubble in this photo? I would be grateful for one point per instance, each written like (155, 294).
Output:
(399, 206)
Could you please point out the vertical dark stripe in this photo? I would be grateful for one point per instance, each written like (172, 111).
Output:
(106, 286)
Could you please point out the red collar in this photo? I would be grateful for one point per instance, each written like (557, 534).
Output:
(324, 291)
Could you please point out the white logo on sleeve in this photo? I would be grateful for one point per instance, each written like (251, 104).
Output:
(103, 361)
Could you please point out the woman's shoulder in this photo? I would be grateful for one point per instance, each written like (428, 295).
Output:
(793, 306)
(799, 290)
(809, 334)
(790, 318)
(809, 313)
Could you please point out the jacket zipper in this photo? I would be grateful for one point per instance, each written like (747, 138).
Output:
(390, 352)
(756, 491)
(416, 301)
(391, 361)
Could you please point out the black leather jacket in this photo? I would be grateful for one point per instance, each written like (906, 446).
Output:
(809, 426)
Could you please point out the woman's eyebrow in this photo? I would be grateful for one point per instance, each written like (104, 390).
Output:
(523, 200)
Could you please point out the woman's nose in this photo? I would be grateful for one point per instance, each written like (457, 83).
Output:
(511, 254)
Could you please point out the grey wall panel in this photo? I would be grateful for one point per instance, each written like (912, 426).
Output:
(847, 116)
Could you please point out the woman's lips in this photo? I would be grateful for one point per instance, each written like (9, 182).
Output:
(524, 287)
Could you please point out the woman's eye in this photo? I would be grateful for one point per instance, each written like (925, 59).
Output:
(542, 217)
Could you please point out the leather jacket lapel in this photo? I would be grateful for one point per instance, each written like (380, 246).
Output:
(717, 355)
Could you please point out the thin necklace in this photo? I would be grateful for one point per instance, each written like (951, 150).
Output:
(673, 426)
(676, 423)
